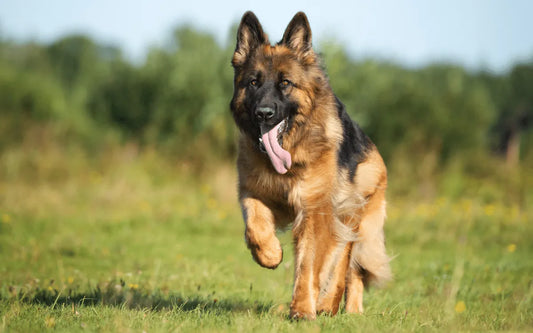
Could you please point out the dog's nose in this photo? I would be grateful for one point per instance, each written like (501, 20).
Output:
(264, 113)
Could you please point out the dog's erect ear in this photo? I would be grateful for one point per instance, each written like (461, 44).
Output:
(297, 36)
(250, 35)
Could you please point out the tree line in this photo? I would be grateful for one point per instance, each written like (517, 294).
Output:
(178, 97)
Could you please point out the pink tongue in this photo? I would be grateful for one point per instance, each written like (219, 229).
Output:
(280, 158)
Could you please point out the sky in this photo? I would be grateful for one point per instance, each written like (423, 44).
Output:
(478, 34)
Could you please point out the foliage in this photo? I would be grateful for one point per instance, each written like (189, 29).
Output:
(178, 98)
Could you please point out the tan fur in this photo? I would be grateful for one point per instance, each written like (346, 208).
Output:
(337, 222)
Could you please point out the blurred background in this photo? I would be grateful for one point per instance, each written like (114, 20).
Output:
(444, 89)
(117, 158)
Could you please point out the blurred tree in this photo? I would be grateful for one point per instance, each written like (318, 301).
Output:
(26, 94)
(78, 60)
(123, 99)
(196, 88)
(27, 87)
(512, 96)
(518, 116)
(178, 98)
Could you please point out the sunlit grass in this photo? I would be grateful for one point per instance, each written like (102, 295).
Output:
(130, 241)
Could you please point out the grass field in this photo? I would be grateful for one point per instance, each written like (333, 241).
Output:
(131, 244)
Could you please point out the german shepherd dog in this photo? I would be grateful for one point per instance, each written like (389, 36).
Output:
(302, 160)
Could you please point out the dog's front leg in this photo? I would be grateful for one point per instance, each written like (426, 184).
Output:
(314, 242)
(260, 233)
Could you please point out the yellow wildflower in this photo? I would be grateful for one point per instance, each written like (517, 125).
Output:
(489, 210)
(460, 307)
(50, 322)
(6, 218)
(145, 206)
(211, 203)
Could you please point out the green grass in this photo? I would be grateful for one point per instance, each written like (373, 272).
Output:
(129, 243)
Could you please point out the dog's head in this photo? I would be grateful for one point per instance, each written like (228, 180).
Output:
(274, 86)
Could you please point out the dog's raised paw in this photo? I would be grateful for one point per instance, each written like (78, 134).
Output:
(269, 254)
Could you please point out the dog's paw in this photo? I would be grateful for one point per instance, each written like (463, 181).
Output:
(302, 315)
(302, 309)
(327, 311)
(267, 254)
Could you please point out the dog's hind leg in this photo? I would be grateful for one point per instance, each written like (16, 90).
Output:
(260, 233)
(354, 290)
(369, 262)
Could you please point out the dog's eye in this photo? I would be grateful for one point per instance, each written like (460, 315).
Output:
(285, 83)
(253, 83)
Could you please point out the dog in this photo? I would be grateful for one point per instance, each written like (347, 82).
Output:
(302, 162)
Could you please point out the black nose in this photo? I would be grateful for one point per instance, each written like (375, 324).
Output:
(264, 113)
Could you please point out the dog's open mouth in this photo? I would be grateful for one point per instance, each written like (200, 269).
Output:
(271, 141)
